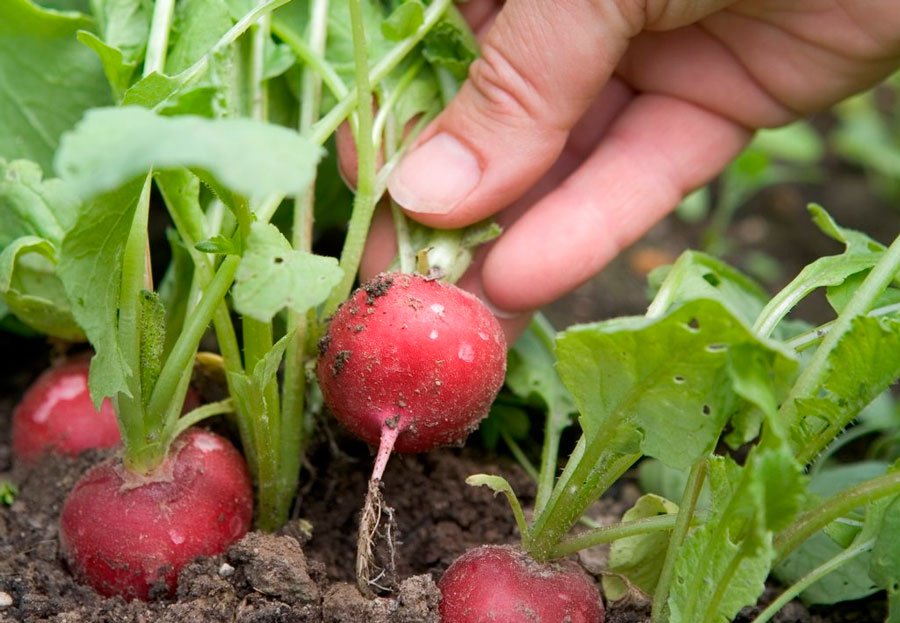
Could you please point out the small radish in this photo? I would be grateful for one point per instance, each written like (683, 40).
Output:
(501, 584)
(56, 414)
(130, 535)
(408, 364)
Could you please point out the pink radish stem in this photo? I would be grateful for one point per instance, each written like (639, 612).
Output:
(373, 509)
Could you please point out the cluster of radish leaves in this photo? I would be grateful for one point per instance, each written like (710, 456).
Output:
(220, 111)
(730, 402)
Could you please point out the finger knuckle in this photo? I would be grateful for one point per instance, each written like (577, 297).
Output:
(505, 88)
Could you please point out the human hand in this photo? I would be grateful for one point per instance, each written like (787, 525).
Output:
(585, 121)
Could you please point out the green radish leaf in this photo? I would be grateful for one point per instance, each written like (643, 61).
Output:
(153, 90)
(90, 268)
(153, 340)
(272, 276)
(696, 275)
(885, 564)
(118, 70)
(865, 361)
(854, 241)
(638, 558)
(33, 206)
(266, 368)
(111, 146)
(197, 27)
(82, 6)
(36, 214)
(663, 379)
(8, 492)
(851, 580)
(403, 21)
(175, 289)
(124, 26)
(751, 371)
(451, 45)
(531, 372)
(31, 289)
(217, 244)
(41, 64)
(838, 296)
(722, 566)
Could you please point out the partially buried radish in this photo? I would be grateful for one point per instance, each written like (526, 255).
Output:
(56, 414)
(128, 534)
(408, 364)
(501, 584)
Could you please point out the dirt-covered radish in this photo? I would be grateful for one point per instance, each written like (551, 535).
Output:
(501, 584)
(56, 414)
(408, 364)
(130, 535)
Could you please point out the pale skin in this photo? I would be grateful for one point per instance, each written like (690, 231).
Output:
(584, 122)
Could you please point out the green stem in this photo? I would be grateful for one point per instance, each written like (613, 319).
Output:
(158, 39)
(724, 582)
(556, 422)
(386, 107)
(686, 511)
(519, 455)
(608, 534)
(808, 280)
(329, 123)
(364, 201)
(293, 415)
(134, 421)
(201, 413)
(259, 105)
(183, 352)
(814, 336)
(810, 522)
(592, 470)
(312, 56)
(818, 367)
(811, 578)
(195, 71)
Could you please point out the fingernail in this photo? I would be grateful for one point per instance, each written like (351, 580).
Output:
(435, 177)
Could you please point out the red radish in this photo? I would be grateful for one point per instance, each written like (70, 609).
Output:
(412, 358)
(408, 364)
(130, 535)
(56, 414)
(501, 584)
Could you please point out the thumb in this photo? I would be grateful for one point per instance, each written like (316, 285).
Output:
(541, 65)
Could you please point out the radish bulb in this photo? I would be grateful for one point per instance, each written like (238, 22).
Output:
(408, 364)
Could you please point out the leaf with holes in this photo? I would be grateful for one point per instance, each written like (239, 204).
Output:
(668, 378)
(272, 276)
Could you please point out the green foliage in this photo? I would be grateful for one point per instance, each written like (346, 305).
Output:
(43, 65)
(661, 386)
(272, 276)
(90, 267)
(638, 558)
(36, 214)
(114, 145)
(723, 566)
